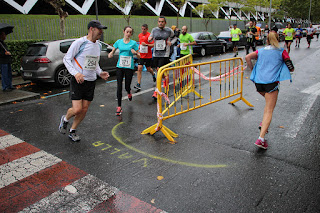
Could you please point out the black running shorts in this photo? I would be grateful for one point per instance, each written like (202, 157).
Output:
(309, 37)
(235, 43)
(160, 61)
(287, 41)
(268, 88)
(84, 91)
(145, 61)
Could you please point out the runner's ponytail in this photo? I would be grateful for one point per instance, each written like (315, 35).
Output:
(273, 39)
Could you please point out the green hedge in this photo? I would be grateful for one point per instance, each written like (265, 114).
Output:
(17, 50)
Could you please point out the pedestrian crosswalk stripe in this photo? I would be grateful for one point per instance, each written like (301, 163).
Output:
(90, 192)
(21, 194)
(8, 140)
(17, 151)
(25, 166)
(33, 180)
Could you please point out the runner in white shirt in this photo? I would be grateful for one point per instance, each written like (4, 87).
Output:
(82, 61)
(310, 32)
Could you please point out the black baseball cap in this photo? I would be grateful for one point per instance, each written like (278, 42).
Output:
(96, 24)
(234, 24)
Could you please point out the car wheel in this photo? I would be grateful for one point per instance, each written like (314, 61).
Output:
(203, 51)
(223, 49)
(62, 77)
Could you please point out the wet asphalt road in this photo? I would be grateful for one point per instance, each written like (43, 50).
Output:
(215, 166)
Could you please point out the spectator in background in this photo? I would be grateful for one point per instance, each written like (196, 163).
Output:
(5, 64)
(174, 46)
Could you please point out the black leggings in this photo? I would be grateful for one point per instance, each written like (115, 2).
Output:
(250, 44)
(127, 73)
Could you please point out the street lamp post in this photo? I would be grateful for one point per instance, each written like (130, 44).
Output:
(96, 6)
(270, 14)
(310, 12)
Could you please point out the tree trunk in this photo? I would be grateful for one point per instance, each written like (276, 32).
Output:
(178, 18)
(63, 15)
(207, 22)
(62, 28)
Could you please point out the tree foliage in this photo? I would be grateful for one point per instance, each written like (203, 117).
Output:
(300, 9)
(178, 4)
(136, 4)
(208, 9)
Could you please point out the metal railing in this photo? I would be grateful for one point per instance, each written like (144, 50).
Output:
(188, 86)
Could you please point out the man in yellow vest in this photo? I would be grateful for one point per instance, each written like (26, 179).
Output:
(235, 38)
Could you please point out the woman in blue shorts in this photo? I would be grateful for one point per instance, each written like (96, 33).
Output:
(271, 68)
(125, 65)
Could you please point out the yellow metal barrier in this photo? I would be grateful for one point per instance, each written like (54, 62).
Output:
(188, 86)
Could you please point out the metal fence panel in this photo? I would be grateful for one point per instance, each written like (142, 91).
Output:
(49, 28)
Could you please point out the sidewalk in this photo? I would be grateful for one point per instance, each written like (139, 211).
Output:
(17, 94)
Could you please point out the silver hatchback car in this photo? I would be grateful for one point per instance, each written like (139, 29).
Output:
(43, 61)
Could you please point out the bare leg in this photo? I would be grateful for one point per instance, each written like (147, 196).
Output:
(289, 44)
(271, 100)
(139, 73)
(149, 69)
(79, 110)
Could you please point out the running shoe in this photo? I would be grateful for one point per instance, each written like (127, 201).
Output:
(154, 96)
(73, 136)
(261, 144)
(260, 125)
(130, 97)
(119, 111)
(154, 77)
(137, 87)
(63, 125)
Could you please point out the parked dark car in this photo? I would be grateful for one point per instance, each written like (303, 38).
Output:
(43, 61)
(225, 35)
(208, 43)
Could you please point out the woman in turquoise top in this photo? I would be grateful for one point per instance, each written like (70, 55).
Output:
(272, 66)
(125, 65)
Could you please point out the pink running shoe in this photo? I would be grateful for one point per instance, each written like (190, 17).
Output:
(263, 145)
(119, 111)
(155, 95)
(130, 97)
(260, 125)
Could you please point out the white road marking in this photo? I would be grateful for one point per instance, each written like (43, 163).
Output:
(9, 140)
(23, 167)
(139, 93)
(90, 191)
(295, 127)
